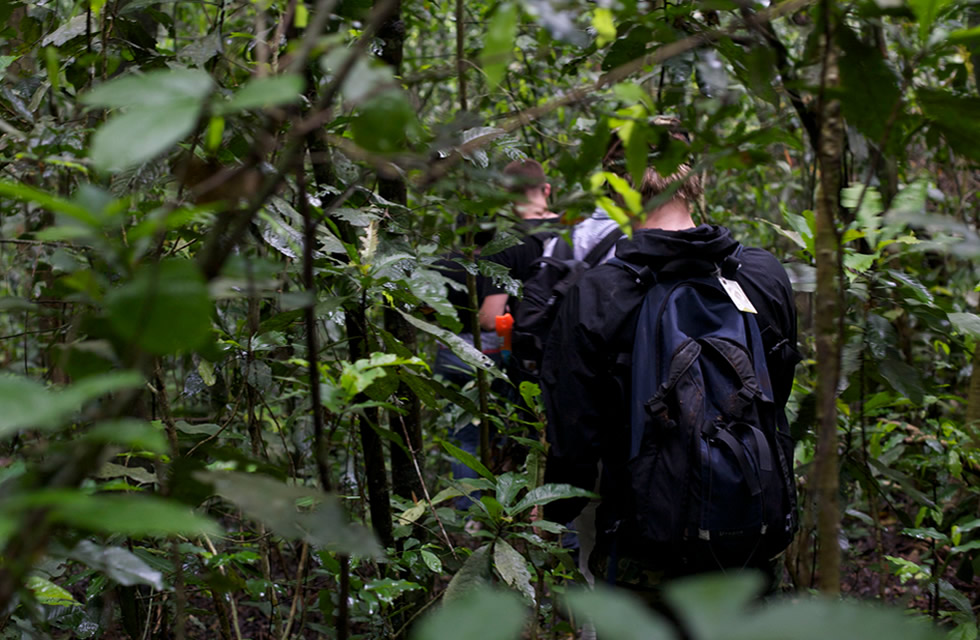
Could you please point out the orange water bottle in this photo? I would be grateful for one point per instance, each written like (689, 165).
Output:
(504, 325)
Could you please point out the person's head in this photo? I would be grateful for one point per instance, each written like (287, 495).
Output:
(653, 184)
(525, 179)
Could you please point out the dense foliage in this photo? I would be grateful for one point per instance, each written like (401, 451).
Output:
(218, 220)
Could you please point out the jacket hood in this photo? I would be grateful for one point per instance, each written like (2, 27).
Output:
(653, 247)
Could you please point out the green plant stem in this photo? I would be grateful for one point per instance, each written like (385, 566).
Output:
(827, 246)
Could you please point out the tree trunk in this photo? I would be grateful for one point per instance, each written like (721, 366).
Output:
(355, 316)
(973, 400)
(825, 479)
(405, 479)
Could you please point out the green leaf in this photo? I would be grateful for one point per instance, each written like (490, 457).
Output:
(963, 548)
(485, 614)
(926, 533)
(498, 46)
(137, 136)
(274, 504)
(903, 377)
(926, 11)
(432, 561)
(26, 193)
(548, 493)
(385, 122)
(956, 598)
(271, 91)
(468, 459)
(154, 89)
(48, 593)
(870, 90)
(708, 604)
(618, 614)
(28, 404)
(508, 486)
(138, 474)
(964, 35)
(629, 47)
(466, 352)
(966, 323)
(364, 78)
(132, 515)
(602, 21)
(119, 564)
(818, 619)
(473, 575)
(512, 567)
(955, 118)
(164, 309)
(130, 432)
(859, 262)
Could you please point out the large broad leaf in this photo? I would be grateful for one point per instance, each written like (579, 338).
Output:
(48, 593)
(135, 137)
(512, 567)
(708, 604)
(259, 93)
(903, 377)
(926, 11)
(131, 515)
(155, 89)
(26, 193)
(28, 404)
(119, 564)
(485, 614)
(498, 46)
(870, 88)
(384, 122)
(163, 108)
(549, 493)
(821, 619)
(509, 485)
(468, 459)
(474, 574)
(619, 615)
(130, 432)
(466, 352)
(966, 323)
(275, 504)
(165, 308)
(955, 117)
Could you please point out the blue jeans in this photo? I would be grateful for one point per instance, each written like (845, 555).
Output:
(449, 366)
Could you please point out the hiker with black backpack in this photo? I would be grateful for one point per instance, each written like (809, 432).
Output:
(671, 365)
(527, 182)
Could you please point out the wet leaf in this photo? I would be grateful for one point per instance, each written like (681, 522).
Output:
(119, 564)
(512, 567)
(482, 615)
(548, 493)
(473, 575)
(48, 593)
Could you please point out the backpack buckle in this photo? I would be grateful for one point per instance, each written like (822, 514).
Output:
(657, 409)
(729, 265)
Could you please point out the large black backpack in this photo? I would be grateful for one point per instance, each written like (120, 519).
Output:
(552, 276)
(708, 460)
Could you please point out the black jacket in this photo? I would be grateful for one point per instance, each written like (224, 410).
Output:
(586, 370)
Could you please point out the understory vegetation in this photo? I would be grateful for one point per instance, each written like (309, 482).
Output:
(219, 313)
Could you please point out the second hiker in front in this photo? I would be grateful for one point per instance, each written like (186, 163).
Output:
(671, 365)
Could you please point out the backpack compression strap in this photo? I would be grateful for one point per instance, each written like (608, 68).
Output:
(602, 248)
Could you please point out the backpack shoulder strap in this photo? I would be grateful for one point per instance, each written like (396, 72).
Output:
(602, 248)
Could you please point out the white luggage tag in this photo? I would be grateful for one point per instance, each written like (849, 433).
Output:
(735, 292)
